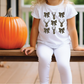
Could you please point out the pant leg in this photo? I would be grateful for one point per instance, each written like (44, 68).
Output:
(44, 54)
(62, 55)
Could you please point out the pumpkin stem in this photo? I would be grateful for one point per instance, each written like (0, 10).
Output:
(8, 14)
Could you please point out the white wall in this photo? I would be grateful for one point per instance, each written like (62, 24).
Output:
(3, 7)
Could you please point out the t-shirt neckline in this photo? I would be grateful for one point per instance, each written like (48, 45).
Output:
(50, 6)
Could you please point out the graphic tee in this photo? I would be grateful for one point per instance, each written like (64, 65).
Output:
(53, 23)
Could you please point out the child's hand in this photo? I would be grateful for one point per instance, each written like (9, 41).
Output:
(28, 50)
(78, 48)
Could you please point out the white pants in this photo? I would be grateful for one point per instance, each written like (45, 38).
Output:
(62, 55)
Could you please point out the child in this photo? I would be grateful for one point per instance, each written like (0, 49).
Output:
(53, 29)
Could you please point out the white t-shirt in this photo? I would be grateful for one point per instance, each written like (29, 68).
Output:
(53, 23)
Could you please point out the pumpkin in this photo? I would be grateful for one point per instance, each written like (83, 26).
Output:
(13, 32)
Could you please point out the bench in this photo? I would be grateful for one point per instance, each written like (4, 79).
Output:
(16, 55)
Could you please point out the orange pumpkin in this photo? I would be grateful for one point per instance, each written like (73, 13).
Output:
(13, 32)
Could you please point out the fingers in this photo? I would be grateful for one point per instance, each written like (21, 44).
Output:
(82, 49)
(27, 50)
(30, 51)
(23, 49)
(79, 48)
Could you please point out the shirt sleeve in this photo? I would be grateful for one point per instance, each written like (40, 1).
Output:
(36, 12)
(71, 11)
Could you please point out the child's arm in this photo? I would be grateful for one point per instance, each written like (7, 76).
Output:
(73, 34)
(34, 32)
(33, 37)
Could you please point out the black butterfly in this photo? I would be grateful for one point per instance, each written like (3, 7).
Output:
(46, 14)
(61, 30)
(61, 14)
(53, 22)
(46, 30)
